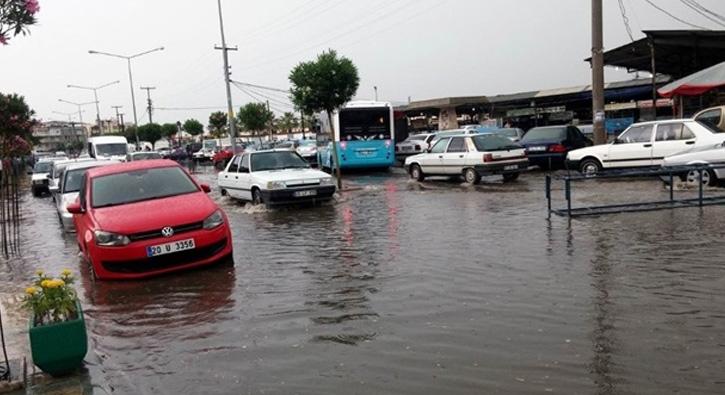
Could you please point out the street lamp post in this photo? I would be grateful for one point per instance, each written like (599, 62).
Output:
(130, 77)
(79, 105)
(95, 96)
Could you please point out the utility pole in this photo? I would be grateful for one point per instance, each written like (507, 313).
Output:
(376, 92)
(600, 136)
(118, 118)
(302, 123)
(225, 55)
(150, 107)
(123, 125)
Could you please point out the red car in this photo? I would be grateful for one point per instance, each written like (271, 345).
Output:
(222, 157)
(140, 219)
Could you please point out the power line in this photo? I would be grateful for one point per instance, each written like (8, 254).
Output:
(257, 99)
(625, 19)
(697, 9)
(294, 21)
(674, 17)
(289, 17)
(190, 108)
(260, 86)
(705, 9)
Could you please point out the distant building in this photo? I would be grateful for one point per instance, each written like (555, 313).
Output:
(57, 136)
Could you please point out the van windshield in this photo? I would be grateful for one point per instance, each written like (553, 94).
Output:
(111, 149)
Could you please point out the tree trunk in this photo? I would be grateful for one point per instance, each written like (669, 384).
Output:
(333, 159)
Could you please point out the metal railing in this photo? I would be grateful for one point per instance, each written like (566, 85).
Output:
(667, 174)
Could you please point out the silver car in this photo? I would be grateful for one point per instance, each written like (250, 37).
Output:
(69, 185)
(712, 155)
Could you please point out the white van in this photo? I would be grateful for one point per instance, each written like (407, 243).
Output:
(108, 147)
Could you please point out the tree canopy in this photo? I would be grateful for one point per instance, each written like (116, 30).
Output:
(324, 84)
(218, 124)
(193, 127)
(151, 132)
(255, 117)
(16, 125)
(15, 17)
(287, 122)
(169, 130)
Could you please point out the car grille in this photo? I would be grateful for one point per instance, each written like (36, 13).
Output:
(165, 261)
(296, 184)
(157, 233)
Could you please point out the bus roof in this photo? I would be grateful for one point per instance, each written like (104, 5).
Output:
(108, 140)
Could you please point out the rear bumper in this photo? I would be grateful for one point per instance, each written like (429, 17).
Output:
(131, 262)
(502, 168)
(288, 196)
(572, 164)
(546, 159)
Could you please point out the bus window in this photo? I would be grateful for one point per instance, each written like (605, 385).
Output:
(365, 124)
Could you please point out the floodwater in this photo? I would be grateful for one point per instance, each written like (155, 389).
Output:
(401, 287)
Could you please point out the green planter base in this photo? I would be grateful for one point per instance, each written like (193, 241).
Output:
(59, 349)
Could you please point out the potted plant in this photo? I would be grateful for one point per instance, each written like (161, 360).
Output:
(57, 329)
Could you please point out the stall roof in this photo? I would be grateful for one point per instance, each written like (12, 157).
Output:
(677, 52)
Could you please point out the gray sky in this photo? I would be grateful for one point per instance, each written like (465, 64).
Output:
(417, 48)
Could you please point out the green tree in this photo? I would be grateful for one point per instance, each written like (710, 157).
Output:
(169, 130)
(151, 132)
(16, 125)
(325, 85)
(15, 17)
(193, 127)
(287, 122)
(255, 117)
(218, 124)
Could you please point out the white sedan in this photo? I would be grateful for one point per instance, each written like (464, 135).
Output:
(470, 156)
(712, 159)
(274, 177)
(644, 144)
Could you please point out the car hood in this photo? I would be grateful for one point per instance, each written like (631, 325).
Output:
(289, 174)
(39, 176)
(155, 214)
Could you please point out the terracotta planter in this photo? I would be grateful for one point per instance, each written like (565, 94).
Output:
(60, 348)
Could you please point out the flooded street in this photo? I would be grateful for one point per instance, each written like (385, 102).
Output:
(407, 288)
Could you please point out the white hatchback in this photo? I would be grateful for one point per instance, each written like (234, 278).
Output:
(274, 177)
(470, 156)
(644, 144)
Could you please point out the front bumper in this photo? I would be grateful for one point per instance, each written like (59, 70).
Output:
(502, 168)
(288, 196)
(131, 261)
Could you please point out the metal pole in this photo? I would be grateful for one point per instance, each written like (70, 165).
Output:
(133, 102)
(230, 107)
(567, 193)
(548, 193)
(653, 65)
(598, 73)
(150, 107)
(98, 111)
(701, 186)
(376, 93)
(672, 187)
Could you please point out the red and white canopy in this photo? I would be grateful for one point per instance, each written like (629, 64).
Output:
(697, 83)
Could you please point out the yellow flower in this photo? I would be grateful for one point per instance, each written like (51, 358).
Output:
(31, 291)
(66, 273)
(45, 283)
(59, 282)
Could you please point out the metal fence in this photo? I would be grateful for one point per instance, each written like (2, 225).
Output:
(668, 175)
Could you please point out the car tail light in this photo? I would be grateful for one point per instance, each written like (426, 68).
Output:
(557, 148)
(488, 157)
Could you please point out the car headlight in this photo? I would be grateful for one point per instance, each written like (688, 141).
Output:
(327, 181)
(276, 185)
(214, 220)
(108, 239)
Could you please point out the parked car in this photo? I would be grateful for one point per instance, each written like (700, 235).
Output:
(68, 187)
(547, 146)
(57, 169)
(40, 178)
(204, 154)
(286, 144)
(145, 218)
(222, 158)
(707, 155)
(470, 156)
(164, 152)
(413, 145)
(644, 144)
(272, 177)
(143, 155)
(712, 118)
(307, 149)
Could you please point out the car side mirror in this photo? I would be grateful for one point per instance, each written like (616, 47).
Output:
(75, 208)
(205, 188)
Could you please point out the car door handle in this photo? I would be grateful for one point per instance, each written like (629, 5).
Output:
(236, 177)
(440, 156)
(647, 145)
(460, 156)
(689, 142)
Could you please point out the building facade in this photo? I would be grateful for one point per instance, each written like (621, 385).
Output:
(59, 136)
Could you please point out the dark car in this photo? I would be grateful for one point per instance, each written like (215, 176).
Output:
(547, 146)
(177, 153)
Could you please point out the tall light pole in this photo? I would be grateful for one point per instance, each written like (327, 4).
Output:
(95, 97)
(130, 76)
(79, 105)
(600, 136)
(225, 56)
(376, 93)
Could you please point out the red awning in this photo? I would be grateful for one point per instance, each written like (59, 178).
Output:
(696, 84)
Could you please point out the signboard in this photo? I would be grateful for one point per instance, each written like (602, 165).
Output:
(660, 103)
(617, 125)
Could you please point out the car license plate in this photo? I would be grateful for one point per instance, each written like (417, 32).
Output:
(170, 248)
(511, 167)
(310, 192)
(537, 148)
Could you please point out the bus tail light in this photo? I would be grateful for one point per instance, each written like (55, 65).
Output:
(388, 143)
(343, 145)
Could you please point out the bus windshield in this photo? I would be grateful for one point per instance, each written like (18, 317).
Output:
(365, 124)
(111, 149)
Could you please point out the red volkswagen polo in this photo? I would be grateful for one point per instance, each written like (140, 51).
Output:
(145, 218)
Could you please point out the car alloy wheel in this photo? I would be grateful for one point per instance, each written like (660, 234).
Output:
(693, 177)
(471, 176)
(590, 167)
(416, 173)
(257, 197)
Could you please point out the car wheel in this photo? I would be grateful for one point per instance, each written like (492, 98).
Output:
(416, 173)
(36, 193)
(257, 197)
(471, 176)
(708, 177)
(590, 166)
(510, 177)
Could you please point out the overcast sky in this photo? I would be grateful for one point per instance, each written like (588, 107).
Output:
(409, 48)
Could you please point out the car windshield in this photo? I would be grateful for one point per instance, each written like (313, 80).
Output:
(308, 143)
(536, 134)
(146, 155)
(277, 161)
(42, 167)
(140, 185)
(111, 149)
(492, 142)
(73, 180)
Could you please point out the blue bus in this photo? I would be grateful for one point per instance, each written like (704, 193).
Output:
(364, 134)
